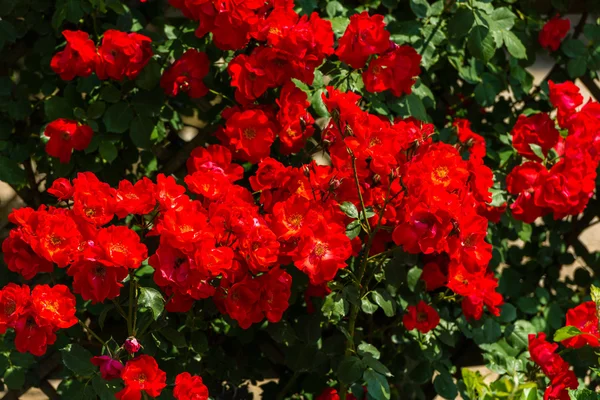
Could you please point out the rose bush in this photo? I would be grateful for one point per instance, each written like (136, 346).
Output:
(374, 198)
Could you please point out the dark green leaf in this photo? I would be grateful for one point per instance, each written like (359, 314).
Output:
(149, 76)
(377, 366)
(367, 306)
(173, 336)
(141, 131)
(117, 118)
(385, 301)
(96, 110)
(412, 278)
(10, 172)
(14, 378)
(350, 369)
(57, 107)
(577, 67)
(508, 313)
(445, 386)
(105, 390)
(421, 8)
(108, 151)
(77, 359)
(573, 48)
(365, 348)
(481, 43)
(514, 45)
(377, 385)
(461, 23)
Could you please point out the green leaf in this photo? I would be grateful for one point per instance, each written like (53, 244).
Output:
(10, 172)
(537, 150)
(350, 369)
(508, 313)
(445, 386)
(525, 232)
(566, 332)
(366, 348)
(573, 48)
(334, 8)
(174, 336)
(349, 209)
(8, 33)
(420, 7)
(105, 390)
(96, 109)
(577, 67)
(108, 151)
(367, 306)
(351, 295)
(141, 131)
(481, 43)
(528, 305)
(514, 45)
(503, 18)
(461, 23)
(592, 32)
(57, 107)
(110, 94)
(376, 365)
(117, 117)
(14, 378)
(77, 359)
(385, 301)
(377, 385)
(149, 76)
(583, 394)
(353, 229)
(151, 299)
(412, 278)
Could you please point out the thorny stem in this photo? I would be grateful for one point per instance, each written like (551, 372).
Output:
(131, 299)
(91, 332)
(119, 309)
(360, 196)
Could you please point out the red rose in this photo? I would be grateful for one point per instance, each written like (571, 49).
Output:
(189, 387)
(95, 281)
(109, 367)
(186, 75)
(433, 276)
(93, 201)
(31, 337)
(474, 142)
(66, 135)
(77, 59)
(422, 317)
(121, 247)
(553, 32)
(364, 37)
(14, 300)
(142, 375)
(565, 96)
(269, 174)
(20, 257)
(584, 318)
(295, 120)
(122, 55)
(53, 306)
(396, 70)
(248, 133)
(61, 189)
(135, 199)
(536, 129)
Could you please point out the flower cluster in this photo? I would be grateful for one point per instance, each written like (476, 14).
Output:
(66, 135)
(553, 366)
(585, 318)
(120, 55)
(36, 314)
(573, 156)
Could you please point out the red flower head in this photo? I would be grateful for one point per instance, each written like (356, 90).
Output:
(77, 59)
(214, 159)
(95, 281)
(137, 199)
(364, 37)
(474, 142)
(189, 387)
(31, 337)
(249, 75)
(61, 189)
(422, 317)
(121, 247)
(132, 345)
(270, 174)
(94, 201)
(58, 238)
(169, 194)
(260, 247)
(560, 385)
(14, 300)
(248, 133)
(536, 129)
(553, 32)
(565, 96)
(553, 366)
(322, 253)
(433, 275)
(182, 228)
(66, 135)
(109, 367)
(54, 306)
(296, 122)
(186, 75)
(142, 375)
(276, 290)
(584, 318)
(242, 302)
(122, 55)
(396, 70)
(20, 257)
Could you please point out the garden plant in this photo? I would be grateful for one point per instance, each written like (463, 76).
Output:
(313, 199)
